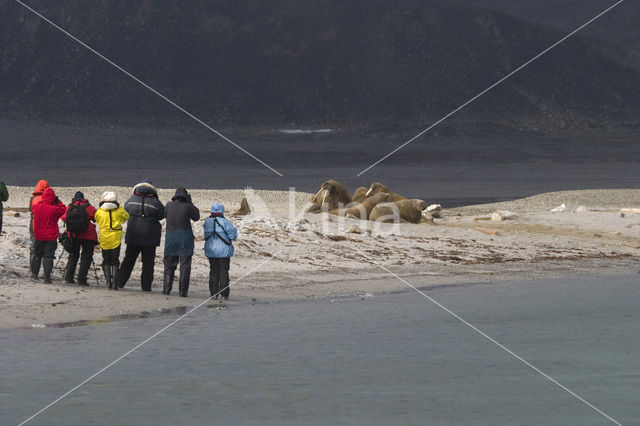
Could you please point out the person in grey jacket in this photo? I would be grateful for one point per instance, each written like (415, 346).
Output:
(178, 240)
(143, 233)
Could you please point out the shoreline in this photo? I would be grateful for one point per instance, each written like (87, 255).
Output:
(313, 257)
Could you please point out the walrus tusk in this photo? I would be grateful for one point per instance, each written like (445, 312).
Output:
(368, 192)
(325, 196)
(314, 197)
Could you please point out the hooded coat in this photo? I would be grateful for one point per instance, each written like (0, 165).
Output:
(46, 215)
(4, 195)
(180, 211)
(145, 212)
(90, 233)
(36, 197)
(217, 230)
(110, 217)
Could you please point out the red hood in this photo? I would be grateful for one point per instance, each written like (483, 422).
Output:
(48, 196)
(40, 187)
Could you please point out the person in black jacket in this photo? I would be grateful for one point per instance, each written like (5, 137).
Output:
(143, 233)
(178, 240)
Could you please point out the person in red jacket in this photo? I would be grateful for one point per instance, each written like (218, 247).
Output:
(36, 197)
(79, 217)
(45, 233)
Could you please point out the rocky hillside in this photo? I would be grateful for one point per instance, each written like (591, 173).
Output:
(282, 62)
(618, 29)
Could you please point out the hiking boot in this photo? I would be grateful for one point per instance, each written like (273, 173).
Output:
(183, 294)
(106, 269)
(47, 281)
(71, 281)
(83, 284)
(114, 277)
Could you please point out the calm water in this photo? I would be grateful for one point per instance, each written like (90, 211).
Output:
(450, 171)
(393, 359)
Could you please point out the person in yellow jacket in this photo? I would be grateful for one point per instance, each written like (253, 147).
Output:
(110, 217)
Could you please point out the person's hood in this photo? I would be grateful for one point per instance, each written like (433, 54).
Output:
(40, 187)
(217, 208)
(145, 188)
(107, 205)
(48, 196)
(78, 196)
(181, 195)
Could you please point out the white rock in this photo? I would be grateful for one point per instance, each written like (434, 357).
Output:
(560, 208)
(434, 210)
(582, 209)
(502, 215)
(354, 230)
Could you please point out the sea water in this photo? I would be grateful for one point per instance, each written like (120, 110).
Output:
(451, 171)
(388, 359)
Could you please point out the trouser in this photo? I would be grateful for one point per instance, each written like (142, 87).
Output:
(0, 223)
(110, 263)
(170, 264)
(43, 254)
(219, 276)
(85, 260)
(130, 255)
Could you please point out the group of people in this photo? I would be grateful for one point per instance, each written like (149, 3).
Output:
(142, 212)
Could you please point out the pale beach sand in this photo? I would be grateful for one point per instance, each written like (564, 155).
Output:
(285, 255)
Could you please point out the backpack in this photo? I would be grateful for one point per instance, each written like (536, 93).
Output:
(66, 242)
(77, 218)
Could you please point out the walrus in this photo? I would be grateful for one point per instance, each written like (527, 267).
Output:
(332, 194)
(377, 187)
(363, 210)
(399, 211)
(359, 194)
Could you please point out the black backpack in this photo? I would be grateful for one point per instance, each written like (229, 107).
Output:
(77, 218)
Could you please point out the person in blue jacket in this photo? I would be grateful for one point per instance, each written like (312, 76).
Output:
(219, 235)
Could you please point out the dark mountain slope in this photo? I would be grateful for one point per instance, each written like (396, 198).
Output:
(345, 62)
(619, 29)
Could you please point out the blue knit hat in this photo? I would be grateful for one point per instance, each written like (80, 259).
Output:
(79, 196)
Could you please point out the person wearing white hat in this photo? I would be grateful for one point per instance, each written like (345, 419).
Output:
(109, 218)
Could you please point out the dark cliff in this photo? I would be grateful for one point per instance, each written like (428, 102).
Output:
(303, 62)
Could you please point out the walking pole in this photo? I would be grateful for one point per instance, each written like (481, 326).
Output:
(94, 271)
(59, 259)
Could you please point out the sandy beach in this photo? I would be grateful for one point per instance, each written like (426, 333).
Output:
(285, 254)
